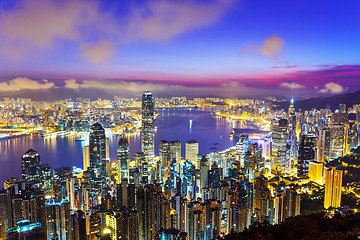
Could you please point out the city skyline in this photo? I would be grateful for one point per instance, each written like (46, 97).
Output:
(221, 47)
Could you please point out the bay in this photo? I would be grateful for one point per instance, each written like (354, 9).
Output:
(171, 124)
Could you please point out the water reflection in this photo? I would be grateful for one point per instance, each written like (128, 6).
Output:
(171, 124)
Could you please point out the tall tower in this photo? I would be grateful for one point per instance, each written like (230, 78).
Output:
(97, 147)
(123, 158)
(147, 135)
(279, 136)
(191, 151)
(31, 168)
(323, 151)
(291, 148)
(333, 185)
(306, 154)
(291, 110)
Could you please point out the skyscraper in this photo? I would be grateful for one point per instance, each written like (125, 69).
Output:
(191, 151)
(338, 140)
(242, 147)
(31, 168)
(123, 158)
(147, 135)
(316, 171)
(86, 157)
(97, 147)
(323, 151)
(58, 220)
(279, 136)
(333, 185)
(164, 147)
(306, 154)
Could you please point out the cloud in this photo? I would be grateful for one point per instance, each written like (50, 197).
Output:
(232, 84)
(21, 83)
(332, 87)
(40, 26)
(35, 25)
(71, 83)
(163, 20)
(271, 47)
(99, 52)
(291, 85)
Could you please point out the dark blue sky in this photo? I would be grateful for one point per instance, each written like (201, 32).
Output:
(240, 46)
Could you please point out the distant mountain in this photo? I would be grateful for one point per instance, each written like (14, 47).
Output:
(347, 98)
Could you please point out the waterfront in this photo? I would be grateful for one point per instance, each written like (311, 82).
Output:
(171, 124)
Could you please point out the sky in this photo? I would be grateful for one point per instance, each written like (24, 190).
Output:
(181, 47)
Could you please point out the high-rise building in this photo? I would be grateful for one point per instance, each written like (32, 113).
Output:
(58, 220)
(306, 154)
(27, 204)
(26, 230)
(338, 141)
(191, 151)
(123, 158)
(279, 136)
(78, 225)
(339, 118)
(46, 178)
(31, 168)
(175, 153)
(242, 146)
(323, 148)
(164, 149)
(291, 110)
(86, 157)
(97, 147)
(316, 171)
(333, 185)
(286, 204)
(147, 134)
(342, 108)
(5, 213)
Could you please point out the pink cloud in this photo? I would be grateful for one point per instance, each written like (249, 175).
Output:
(40, 26)
(271, 47)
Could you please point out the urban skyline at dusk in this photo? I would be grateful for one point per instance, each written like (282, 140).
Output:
(179, 119)
(194, 48)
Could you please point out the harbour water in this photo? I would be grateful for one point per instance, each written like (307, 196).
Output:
(171, 124)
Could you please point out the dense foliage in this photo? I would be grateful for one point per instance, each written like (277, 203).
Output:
(313, 226)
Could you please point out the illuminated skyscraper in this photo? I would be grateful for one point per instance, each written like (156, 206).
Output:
(175, 153)
(164, 147)
(333, 185)
(279, 136)
(291, 142)
(242, 147)
(5, 213)
(147, 135)
(45, 178)
(58, 220)
(97, 147)
(306, 154)
(191, 151)
(291, 110)
(338, 140)
(323, 150)
(86, 157)
(31, 168)
(316, 171)
(123, 158)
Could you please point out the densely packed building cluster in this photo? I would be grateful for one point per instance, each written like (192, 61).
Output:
(173, 197)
